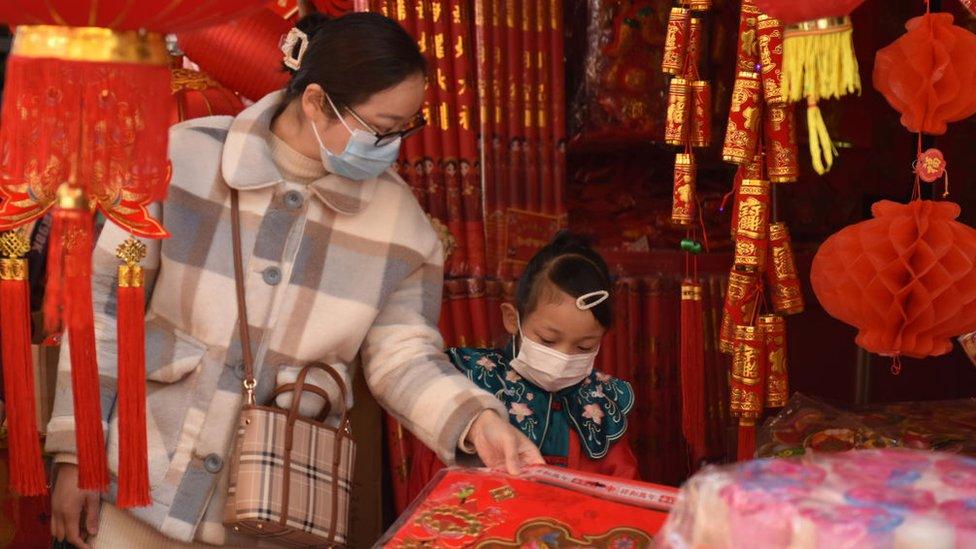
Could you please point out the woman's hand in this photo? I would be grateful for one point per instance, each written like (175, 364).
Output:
(501, 446)
(74, 511)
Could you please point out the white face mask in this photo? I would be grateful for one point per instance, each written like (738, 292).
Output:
(548, 368)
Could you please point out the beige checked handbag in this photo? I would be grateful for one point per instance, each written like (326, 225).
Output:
(291, 476)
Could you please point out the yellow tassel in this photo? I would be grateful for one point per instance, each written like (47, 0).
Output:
(822, 150)
(819, 60)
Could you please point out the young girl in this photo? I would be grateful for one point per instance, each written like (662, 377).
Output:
(576, 415)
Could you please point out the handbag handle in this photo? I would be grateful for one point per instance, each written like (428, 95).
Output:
(297, 397)
(243, 327)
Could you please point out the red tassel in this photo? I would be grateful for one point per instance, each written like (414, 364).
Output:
(693, 370)
(133, 449)
(69, 298)
(26, 466)
(747, 440)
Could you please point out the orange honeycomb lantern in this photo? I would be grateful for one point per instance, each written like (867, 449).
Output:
(905, 279)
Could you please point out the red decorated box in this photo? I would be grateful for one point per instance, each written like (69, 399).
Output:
(546, 507)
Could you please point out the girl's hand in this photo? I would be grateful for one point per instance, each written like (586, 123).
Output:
(501, 446)
(74, 511)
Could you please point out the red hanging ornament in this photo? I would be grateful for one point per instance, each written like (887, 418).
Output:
(197, 95)
(243, 55)
(930, 165)
(796, 11)
(26, 467)
(748, 385)
(153, 15)
(293, 10)
(85, 128)
(905, 279)
(929, 74)
(130, 325)
(693, 370)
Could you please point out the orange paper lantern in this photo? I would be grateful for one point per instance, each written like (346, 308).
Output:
(905, 279)
(929, 74)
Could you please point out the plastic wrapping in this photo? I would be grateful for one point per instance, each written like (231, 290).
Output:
(807, 424)
(865, 499)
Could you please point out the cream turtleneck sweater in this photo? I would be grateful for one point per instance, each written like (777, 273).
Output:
(294, 165)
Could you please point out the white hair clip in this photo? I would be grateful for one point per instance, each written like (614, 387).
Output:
(592, 299)
(295, 37)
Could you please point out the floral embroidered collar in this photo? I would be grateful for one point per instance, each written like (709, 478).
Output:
(596, 407)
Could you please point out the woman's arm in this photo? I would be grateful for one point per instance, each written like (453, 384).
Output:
(410, 375)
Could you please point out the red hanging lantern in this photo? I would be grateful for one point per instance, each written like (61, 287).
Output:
(243, 55)
(153, 15)
(905, 279)
(929, 74)
(85, 127)
(796, 11)
(291, 9)
(197, 95)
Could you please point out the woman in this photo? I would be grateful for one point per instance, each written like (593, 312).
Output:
(341, 266)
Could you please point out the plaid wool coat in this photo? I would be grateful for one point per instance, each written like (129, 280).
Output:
(338, 271)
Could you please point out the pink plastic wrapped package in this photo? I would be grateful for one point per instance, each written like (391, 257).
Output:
(866, 499)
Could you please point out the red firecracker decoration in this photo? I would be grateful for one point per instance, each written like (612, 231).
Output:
(796, 11)
(905, 279)
(929, 74)
(748, 385)
(85, 128)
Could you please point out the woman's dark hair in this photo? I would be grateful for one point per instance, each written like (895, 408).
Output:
(570, 264)
(354, 56)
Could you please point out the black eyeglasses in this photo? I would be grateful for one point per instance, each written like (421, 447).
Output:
(413, 126)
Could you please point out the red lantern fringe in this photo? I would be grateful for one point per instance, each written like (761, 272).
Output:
(69, 298)
(99, 126)
(693, 370)
(133, 450)
(26, 467)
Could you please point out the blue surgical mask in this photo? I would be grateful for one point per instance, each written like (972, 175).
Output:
(362, 160)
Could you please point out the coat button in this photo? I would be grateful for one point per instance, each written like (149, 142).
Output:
(213, 463)
(272, 276)
(293, 200)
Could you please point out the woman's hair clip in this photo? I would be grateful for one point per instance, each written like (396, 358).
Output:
(295, 37)
(592, 299)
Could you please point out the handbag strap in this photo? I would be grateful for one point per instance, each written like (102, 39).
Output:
(249, 382)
